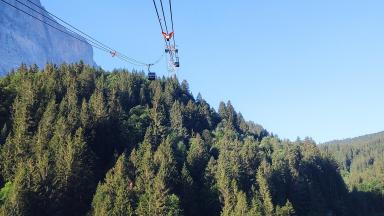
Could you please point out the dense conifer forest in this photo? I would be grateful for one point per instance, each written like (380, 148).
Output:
(77, 140)
(361, 161)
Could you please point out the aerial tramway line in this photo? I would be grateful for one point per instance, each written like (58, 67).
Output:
(169, 38)
(35, 11)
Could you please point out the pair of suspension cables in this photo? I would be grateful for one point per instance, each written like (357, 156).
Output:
(168, 35)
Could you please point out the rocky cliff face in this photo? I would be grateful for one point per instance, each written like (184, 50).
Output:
(26, 40)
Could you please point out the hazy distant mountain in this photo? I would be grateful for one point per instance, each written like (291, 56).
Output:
(26, 40)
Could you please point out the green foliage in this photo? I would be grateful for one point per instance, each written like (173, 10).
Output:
(286, 210)
(263, 173)
(5, 192)
(361, 161)
(115, 196)
(76, 140)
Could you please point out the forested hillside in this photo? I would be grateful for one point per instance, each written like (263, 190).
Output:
(361, 162)
(77, 140)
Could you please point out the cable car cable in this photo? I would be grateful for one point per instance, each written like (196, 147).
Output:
(64, 22)
(23, 11)
(165, 20)
(173, 30)
(82, 34)
(158, 16)
(94, 43)
(166, 26)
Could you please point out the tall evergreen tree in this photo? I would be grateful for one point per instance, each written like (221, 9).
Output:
(73, 173)
(286, 210)
(17, 148)
(197, 157)
(115, 196)
(176, 117)
(262, 175)
(159, 114)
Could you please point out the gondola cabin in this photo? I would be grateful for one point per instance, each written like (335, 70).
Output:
(177, 63)
(151, 76)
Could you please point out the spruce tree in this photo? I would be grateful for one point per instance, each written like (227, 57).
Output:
(115, 195)
(176, 117)
(18, 201)
(286, 210)
(17, 148)
(197, 157)
(159, 115)
(241, 206)
(261, 177)
(256, 204)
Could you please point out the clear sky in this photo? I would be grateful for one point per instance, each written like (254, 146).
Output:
(298, 67)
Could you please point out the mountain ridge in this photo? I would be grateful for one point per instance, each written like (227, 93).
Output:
(347, 140)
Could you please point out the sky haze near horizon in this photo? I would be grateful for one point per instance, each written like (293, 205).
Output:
(297, 67)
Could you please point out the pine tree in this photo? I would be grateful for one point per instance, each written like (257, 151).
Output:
(231, 115)
(142, 160)
(115, 196)
(185, 86)
(199, 98)
(98, 106)
(256, 205)
(43, 158)
(286, 210)
(143, 95)
(176, 116)
(197, 157)
(72, 112)
(188, 196)
(73, 173)
(156, 199)
(165, 162)
(242, 124)
(114, 104)
(85, 118)
(17, 148)
(171, 91)
(241, 206)
(229, 193)
(159, 115)
(19, 202)
(262, 173)
(41, 149)
(223, 110)
(211, 205)
(173, 206)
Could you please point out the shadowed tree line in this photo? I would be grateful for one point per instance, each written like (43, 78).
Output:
(77, 140)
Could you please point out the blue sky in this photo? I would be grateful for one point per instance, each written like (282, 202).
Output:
(298, 67)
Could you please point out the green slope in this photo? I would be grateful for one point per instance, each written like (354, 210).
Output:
(361, 160)
(77, 140)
